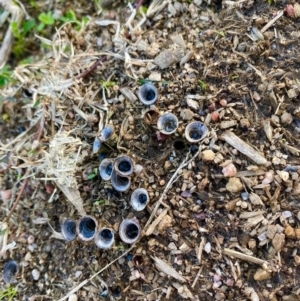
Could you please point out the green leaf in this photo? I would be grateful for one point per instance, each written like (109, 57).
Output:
(203, 85)
(101, 201)
(15, 29)
(40, 27)
(91, 176)
(5, 75)
(28, 25)
(46, 19)
(36, 104)
(71, 16)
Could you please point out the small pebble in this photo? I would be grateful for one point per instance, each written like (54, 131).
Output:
(35, 274)
(245, 196)
(234, 185)
(223, 102)
(289, 232)
(278, 241)
(286, 118)
(262, 274)
(207, 247)
(208, 155)
(162, 182)
(215, 116)
(30, 239)
(244, 205)
(229, 170)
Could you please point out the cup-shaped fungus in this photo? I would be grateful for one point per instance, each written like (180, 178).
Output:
(106, 168)
(139, 199)
(104, 238)
(124, 165)
(148, 94)
(10, 271)
(86, 228)
(68, 229)
(151, 115)
(167, 123)
(96, 145)
(120, 183)
(130, 231)
(196, 131)
(106, 133)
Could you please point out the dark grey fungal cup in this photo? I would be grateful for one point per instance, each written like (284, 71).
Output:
(148, 94)
(10, 271)
(86, 228)
(167, 123)
(104, 238)
(68, 229)
(196, 131)
(124, 165)
(130, 231)
(106, 168)
(139, 199)
(119, 182)
(106, 133)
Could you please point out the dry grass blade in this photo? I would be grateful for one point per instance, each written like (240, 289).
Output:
(73, 196)
(165, 268)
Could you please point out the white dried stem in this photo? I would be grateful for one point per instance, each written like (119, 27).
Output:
(16, 16)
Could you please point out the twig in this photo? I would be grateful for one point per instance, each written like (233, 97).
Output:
(92, 68)
(197, 276)
(140, 3)
(168, 186)
(5, 168)
(40, 129)
(18, 198)
(245, 257)
(271, 22)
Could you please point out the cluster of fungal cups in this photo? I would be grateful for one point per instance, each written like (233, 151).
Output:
(118, 171)
(167, 123)
(86, 229)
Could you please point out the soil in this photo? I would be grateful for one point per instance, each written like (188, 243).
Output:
(223, 218)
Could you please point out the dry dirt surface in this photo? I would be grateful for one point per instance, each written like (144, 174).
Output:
(223, 220)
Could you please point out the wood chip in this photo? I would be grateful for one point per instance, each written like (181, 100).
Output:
(253, 221)
(247, 215)
(156, 222)
(167, 269)
(128, 94)
(244, 148)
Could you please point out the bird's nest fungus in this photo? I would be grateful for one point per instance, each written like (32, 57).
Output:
(227, 70)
